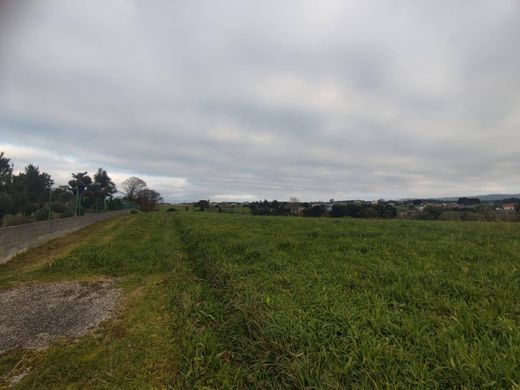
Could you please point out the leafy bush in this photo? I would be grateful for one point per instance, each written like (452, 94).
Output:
(450, 216)
(430, 213)
(42, 214)
(58, 207)
(67, 213)
(6, 202)
(30, 209)
(171, 209)
(314, 211)
(17, 219)
(66, 196)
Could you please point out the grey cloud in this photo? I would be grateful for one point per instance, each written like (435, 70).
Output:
(267, 100)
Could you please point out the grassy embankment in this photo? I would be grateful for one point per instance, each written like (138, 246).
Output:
(137, 350)
(237, 301)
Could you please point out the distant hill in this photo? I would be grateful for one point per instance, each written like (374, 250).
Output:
(483, 198)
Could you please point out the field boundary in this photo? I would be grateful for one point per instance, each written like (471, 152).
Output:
(17, 239)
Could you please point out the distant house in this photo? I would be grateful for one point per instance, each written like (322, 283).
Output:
(509, 206)
(296, 208)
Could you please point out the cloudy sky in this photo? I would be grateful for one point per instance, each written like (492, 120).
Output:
(243, 100)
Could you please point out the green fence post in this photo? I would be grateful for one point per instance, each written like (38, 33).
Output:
(50, 200)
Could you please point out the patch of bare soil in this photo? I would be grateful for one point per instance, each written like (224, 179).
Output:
(33, 315)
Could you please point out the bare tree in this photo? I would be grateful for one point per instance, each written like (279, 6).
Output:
(132, 187)
(147, 199)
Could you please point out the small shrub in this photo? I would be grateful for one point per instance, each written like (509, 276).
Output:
(450, 216)
(58, 207)
(30, 209)
(67, 213)
(6, 202)
(171, 209)
(42, 214)
(17, 219)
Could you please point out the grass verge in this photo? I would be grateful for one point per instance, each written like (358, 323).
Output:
(135, 350)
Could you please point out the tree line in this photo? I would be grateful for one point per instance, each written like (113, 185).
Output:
(31, 195)
(464, 209)
(351, 209)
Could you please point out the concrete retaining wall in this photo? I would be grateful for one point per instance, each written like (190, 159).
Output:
(17, 239)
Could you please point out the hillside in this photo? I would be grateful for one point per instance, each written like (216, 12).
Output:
(483, 198)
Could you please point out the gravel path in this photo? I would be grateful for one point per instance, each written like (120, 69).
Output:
(33, 315)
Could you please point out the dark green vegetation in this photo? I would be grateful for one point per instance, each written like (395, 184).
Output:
(31, 196)
(465, 209)
(221, 300)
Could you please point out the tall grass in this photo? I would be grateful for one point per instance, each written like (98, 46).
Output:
(345, 303)
(215, 300)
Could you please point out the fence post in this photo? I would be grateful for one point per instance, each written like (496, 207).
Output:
(50, 200)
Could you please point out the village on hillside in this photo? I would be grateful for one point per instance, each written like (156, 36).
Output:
(461, 209)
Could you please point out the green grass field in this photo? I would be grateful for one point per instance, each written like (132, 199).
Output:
(215, 300)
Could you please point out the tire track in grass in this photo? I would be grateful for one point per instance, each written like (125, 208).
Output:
(383, 329)
(224, 345)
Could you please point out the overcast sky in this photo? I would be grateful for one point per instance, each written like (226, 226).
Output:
(243, 100)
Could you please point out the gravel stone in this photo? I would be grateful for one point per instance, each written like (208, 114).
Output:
(33, 315)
